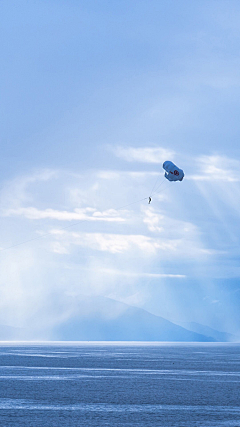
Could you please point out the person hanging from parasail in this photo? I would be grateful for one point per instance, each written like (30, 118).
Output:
(172, 173)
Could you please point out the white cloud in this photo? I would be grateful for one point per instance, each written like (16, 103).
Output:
(17, 190)
(86, 214)
(143, 154)
(140, 274)
(182, 243)
(216, 168)
(153, 220)
(115, 243)
(58, 248)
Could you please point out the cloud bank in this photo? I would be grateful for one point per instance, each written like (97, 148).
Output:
(136, 255)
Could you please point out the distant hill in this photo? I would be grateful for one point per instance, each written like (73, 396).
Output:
(210, 332)
(97, 319)
(103, 319)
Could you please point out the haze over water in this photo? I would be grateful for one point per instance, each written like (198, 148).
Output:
(119, 384)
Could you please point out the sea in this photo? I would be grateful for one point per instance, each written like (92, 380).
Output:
(119, 384)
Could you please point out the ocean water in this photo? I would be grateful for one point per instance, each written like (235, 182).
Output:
(97, 384)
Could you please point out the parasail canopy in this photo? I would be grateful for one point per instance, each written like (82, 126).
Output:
(173, 173)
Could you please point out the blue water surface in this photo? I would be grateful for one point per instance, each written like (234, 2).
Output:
(119, 384)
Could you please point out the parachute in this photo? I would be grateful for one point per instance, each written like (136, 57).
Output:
(173, 173)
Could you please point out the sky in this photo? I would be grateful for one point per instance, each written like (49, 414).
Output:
(95, 97)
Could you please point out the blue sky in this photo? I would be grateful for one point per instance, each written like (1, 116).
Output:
(95, 96)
